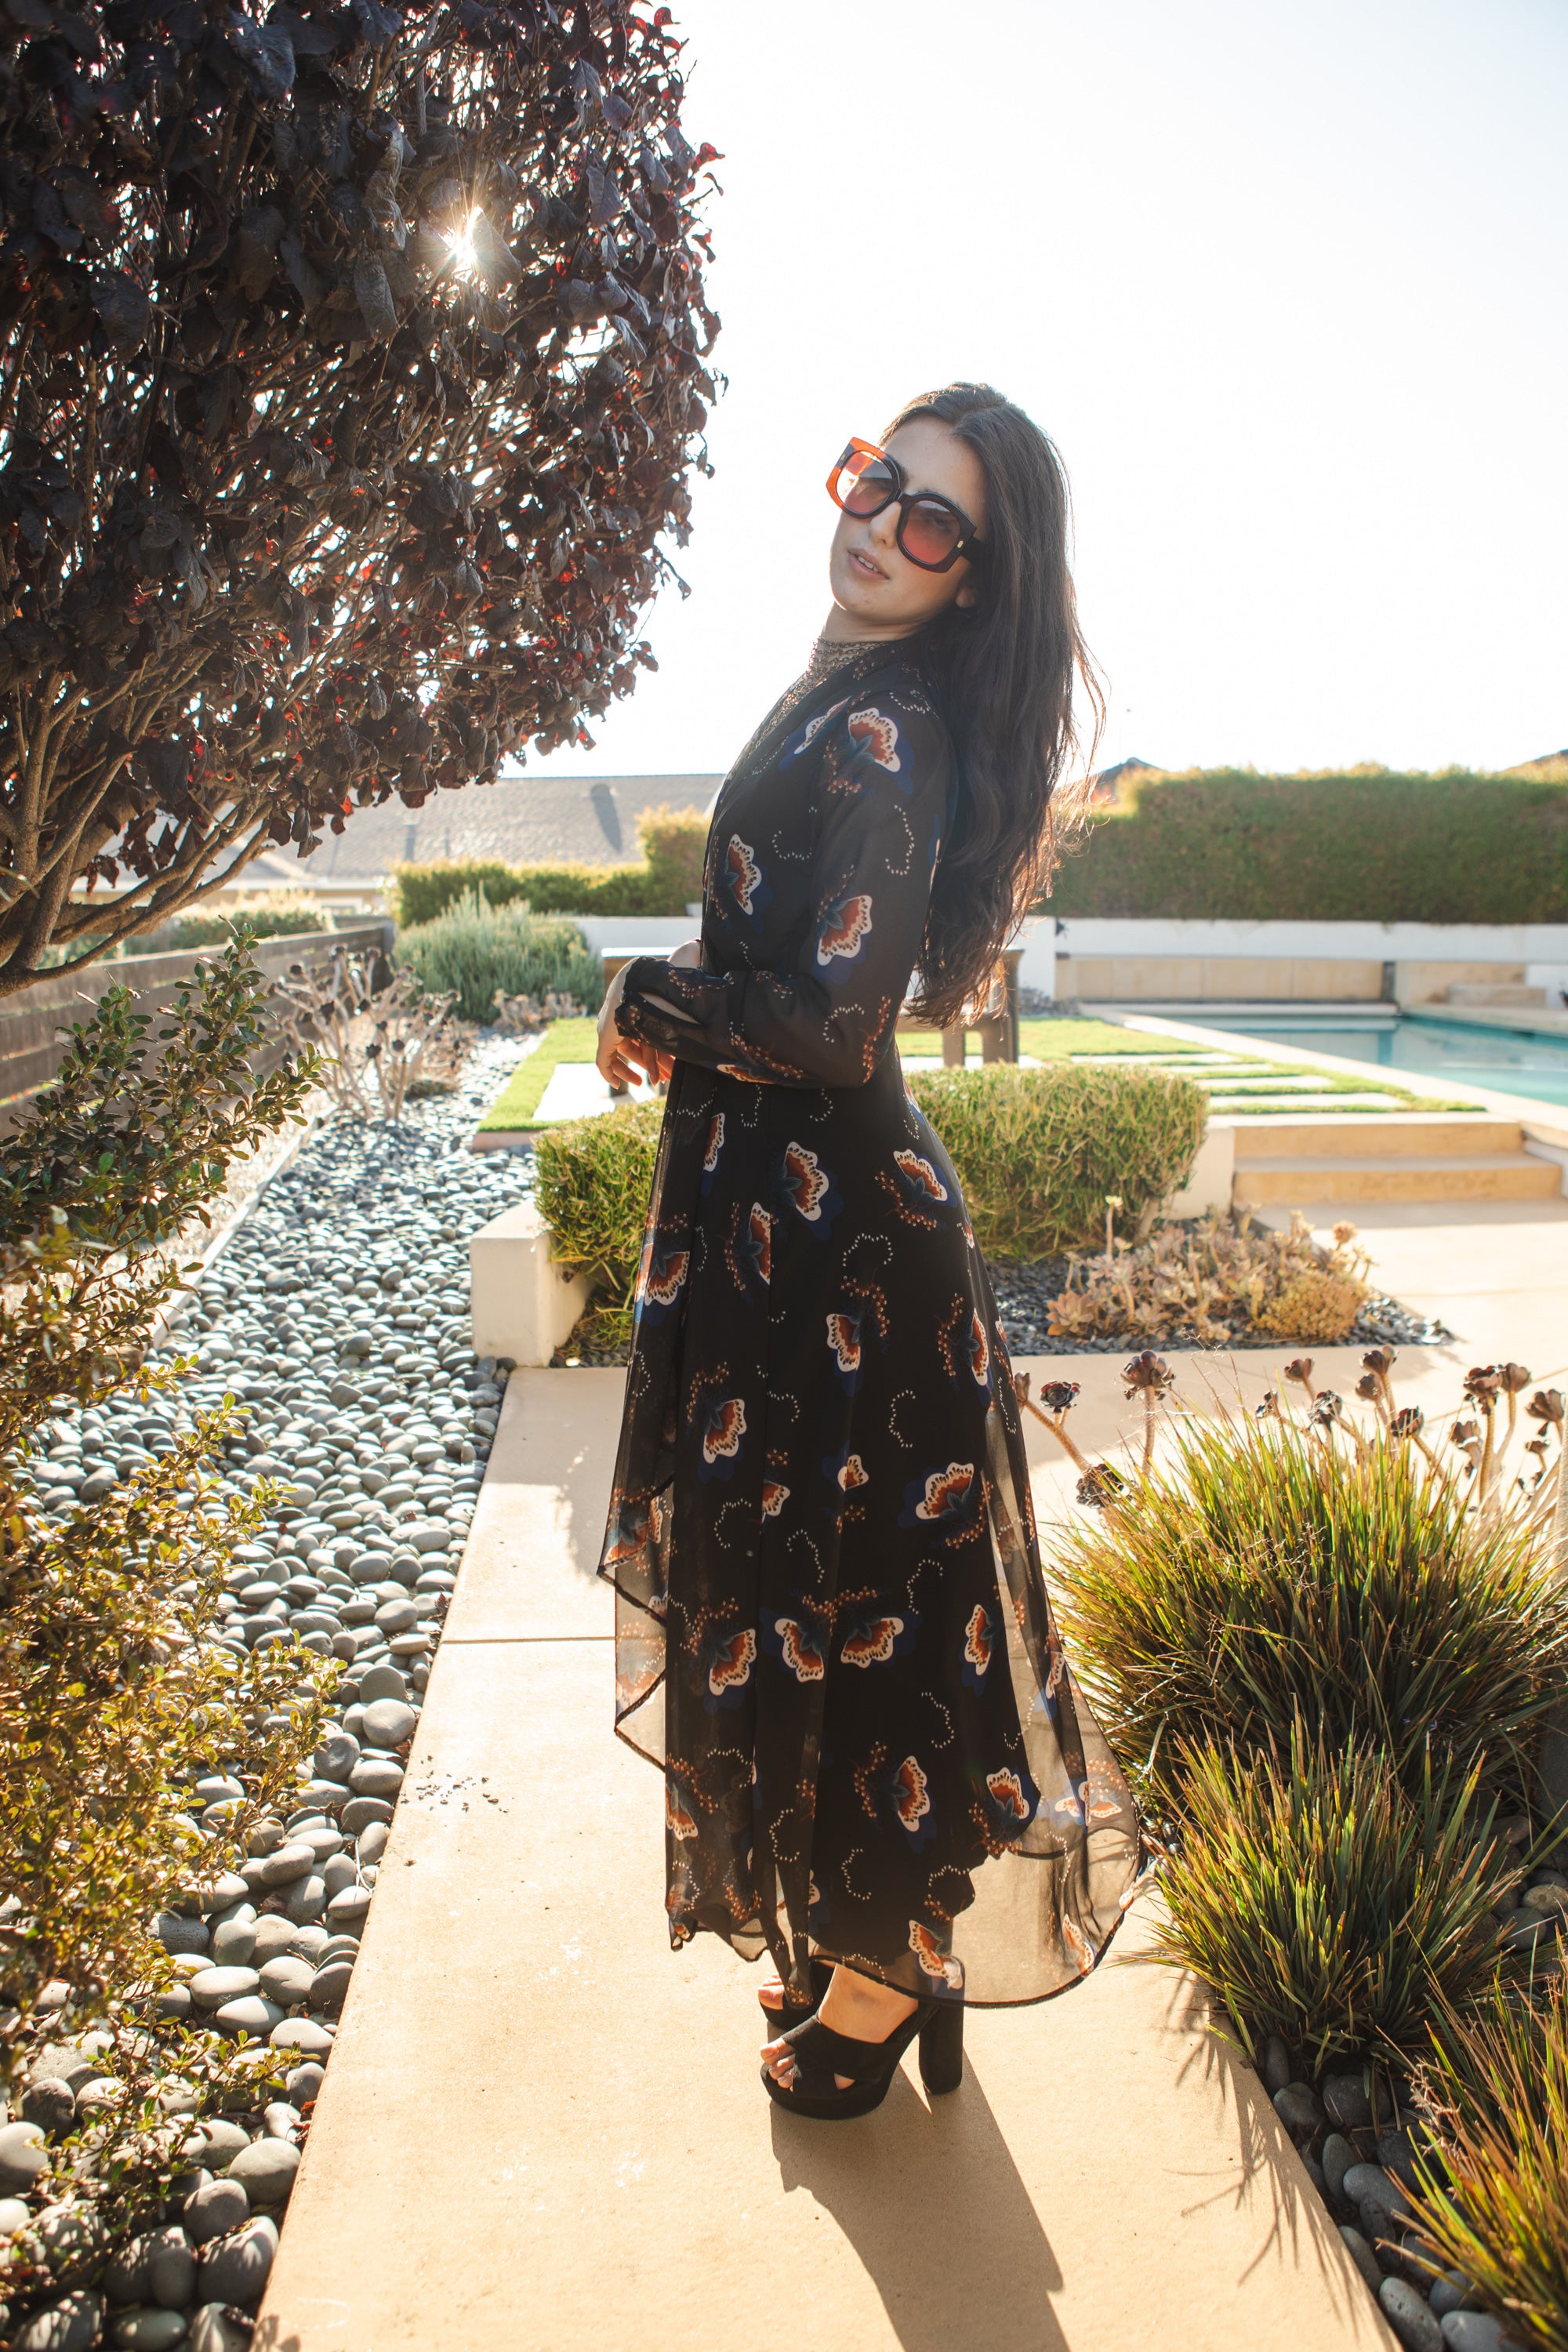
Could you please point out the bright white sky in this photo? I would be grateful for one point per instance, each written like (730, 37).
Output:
(1284, 280)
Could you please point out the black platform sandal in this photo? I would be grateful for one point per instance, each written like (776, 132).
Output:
(790, 2014)
(941, 2048)
(820, 2054)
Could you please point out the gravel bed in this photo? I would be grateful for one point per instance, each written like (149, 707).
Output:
(338, 1309)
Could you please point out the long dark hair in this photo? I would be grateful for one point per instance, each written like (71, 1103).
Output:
(1003, 672)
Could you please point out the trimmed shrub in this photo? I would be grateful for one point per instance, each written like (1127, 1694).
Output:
(1324, 1901)
(1226, 843)
(1272, 1575)
(666, 881)
(593, 1178)
(477, 948)
(1038, 1151)
(1497, 2094)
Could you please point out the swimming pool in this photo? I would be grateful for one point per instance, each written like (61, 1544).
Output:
(1509, 1061)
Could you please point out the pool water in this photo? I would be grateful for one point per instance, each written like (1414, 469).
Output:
(1509, 1061)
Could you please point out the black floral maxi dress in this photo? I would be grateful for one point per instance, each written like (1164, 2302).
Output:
(833, 1632)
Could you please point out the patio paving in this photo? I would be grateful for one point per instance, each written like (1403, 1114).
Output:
(542, 2130)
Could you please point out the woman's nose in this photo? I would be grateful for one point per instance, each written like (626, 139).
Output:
(884, 528)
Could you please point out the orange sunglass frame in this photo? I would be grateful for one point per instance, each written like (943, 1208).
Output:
(868, 452)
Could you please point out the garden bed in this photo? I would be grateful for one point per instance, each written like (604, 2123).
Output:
(336, 1308)
(1025, 1290)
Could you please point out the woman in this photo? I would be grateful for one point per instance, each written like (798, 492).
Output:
(832, 1628)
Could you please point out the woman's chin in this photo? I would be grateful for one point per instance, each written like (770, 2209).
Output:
(871, 603)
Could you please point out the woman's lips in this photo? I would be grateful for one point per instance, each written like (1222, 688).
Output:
(871, 571)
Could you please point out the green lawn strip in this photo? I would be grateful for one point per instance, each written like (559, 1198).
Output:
(1062, 1041)
(518, 1099)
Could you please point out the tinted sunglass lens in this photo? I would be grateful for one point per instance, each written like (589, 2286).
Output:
(865, 486)
(930, 531)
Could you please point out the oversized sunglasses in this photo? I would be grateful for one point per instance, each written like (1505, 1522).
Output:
(931, 531)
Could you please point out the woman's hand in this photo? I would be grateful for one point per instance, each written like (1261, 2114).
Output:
(622, 1061)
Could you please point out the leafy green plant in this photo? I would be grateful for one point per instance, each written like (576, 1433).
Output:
(1324, 1899)
(1037, 1151)
(1222, 844)
(278, 915)
(593, 1178)
(1273, 1571)
(110, 1699)
(1496, 2093)
(475, 949)
(667, 880)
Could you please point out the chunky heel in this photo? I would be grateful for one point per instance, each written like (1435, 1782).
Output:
(941, 2048)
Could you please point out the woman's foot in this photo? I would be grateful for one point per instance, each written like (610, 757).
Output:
(857, 2006)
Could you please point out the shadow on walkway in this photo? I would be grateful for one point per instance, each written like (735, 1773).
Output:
(936, 2210)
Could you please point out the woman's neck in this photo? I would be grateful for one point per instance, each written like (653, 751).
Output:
(842, 628)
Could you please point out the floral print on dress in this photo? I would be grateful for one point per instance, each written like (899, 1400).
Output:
(833, 1632)
(875, 736)
(979, 1645)
(744, 882)
(662, 1282)
(808, 1188)
(845, 927)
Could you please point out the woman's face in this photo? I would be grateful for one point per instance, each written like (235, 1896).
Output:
(875, 588)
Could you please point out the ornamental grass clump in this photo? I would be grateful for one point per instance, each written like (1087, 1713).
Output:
(1324, 1899)
(475, 950)
(1495, 2090)
(593, 1178)
(1277, 1571)
(1037, 1151)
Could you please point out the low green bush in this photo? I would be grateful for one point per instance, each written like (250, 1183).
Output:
(1226, 843)
(593, 1178)
(1324, 1901)
(478, 949)
(1267, 1575)
(265, 919)
(666, 881)
(1037, 1151)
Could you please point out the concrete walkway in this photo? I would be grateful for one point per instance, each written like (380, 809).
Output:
(542, 2130)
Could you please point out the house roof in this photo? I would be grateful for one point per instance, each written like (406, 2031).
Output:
(521, 821)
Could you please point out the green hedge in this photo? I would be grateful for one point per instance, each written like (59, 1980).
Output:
(1038, 1151)
(479, 949)
(1226, 843)
(267, 919)
(666, 881)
